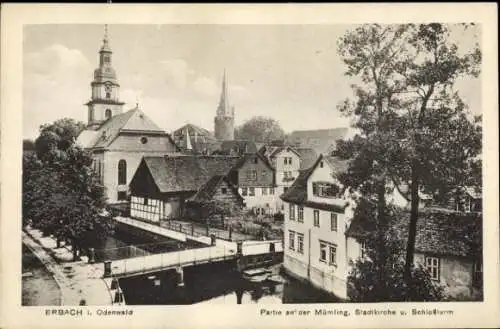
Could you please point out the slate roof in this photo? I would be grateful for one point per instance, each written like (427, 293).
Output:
(297, 193)
(439, 231)
(188, 172)
(131, 121)
(207, 190)
(308, 157)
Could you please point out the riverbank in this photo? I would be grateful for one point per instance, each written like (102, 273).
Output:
(80, 283)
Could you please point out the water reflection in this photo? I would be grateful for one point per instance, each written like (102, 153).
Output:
(217, 284)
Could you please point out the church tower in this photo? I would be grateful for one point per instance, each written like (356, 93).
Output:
(104, 102)
(224, 119)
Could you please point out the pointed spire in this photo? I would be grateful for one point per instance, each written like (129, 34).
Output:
(105, 40)
(224, 109)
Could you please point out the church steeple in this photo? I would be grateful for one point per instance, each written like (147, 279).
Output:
(224, 119)
(104, 102)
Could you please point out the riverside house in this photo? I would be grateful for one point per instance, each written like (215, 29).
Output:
(316, 216)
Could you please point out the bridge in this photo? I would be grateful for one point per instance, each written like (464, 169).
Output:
(247, 253)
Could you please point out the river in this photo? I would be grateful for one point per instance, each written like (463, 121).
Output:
(208, 283)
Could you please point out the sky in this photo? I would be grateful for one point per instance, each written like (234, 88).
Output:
(291, 73)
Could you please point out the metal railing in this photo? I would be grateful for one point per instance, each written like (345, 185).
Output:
(163, 261)
(137, 250)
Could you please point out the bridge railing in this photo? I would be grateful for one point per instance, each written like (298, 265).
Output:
(137, 250)
(151, 263)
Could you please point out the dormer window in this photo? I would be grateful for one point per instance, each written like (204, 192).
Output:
(325, 190)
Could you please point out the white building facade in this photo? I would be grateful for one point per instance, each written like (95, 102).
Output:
(316, 217)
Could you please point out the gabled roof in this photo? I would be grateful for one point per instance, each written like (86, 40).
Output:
(297, 193)
(244, 146)
(439, 232)
(188, 172)
(247, 157)
(192, 129)
(207, 190)
(308, 157)
(131, 121)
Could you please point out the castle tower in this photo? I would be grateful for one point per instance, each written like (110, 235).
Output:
(104, 102)
(224, 119)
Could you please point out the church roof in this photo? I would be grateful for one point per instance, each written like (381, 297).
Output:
(186, 172)
(131, 121)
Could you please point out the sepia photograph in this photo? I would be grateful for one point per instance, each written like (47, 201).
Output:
(264, 165)
(154, 173)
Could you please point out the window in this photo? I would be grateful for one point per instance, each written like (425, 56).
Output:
(122, 172)
(316, 218)
(333, 255)
(322, 252)
(325, 190)
(264, 191)
(285, 189)
(333, 221)
(144, 140)
(254, 174)
(244, 191)
(291, 240)
(432, 265)
(300, 215)
(108, 95)
(292, 212)
(251, 191)
(255, 160)
(91, 114)
(223, 190)
(107, 114)
(145, 201)
(122, 196)
(300, 243)
(477, 273)
(290, 161)
(321, 164)
(363, 249)
(271, 191)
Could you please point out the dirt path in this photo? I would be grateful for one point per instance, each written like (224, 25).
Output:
(79, 282)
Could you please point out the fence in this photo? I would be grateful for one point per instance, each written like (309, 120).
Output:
(164, 261)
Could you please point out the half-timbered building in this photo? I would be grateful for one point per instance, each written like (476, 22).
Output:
(162, 185)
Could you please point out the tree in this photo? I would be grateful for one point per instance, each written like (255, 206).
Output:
(370, 53)
(260, 129)
(442, 144)
(61, 194)
(28, 145)
(414, 129)
(364, 281)
(60, 134)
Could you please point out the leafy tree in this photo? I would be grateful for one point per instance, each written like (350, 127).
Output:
(369, 53)
(260, 129)
(60, 135)
(442, 144)
(364, 281)
(28, 145)
(61, 194)
(414, 129)
(215, 210)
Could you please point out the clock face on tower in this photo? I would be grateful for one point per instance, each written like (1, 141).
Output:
(107, 88)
